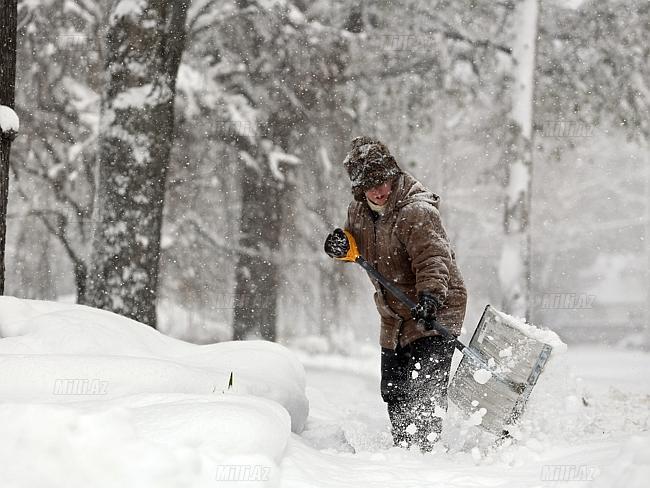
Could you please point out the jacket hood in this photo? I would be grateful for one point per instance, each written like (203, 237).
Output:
(408, 190)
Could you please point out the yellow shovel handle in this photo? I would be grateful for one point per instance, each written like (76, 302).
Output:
(353, 251)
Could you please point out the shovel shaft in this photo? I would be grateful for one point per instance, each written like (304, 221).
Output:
(402, 297)
(397, 293)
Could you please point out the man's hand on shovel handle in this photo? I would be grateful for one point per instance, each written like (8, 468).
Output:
(426, 310)
(336, 244)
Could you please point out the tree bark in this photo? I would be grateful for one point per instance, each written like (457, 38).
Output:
(8, 24)
(264, 196)
(514, 267)
(143, 51)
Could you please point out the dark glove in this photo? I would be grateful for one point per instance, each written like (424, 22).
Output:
(336, 244)
(426, 309)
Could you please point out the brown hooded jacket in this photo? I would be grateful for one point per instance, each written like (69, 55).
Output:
(409, 246)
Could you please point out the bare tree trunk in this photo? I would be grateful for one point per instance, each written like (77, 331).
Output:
(8, 24)
(514, 268)
(264, 197)
(144, 45)
(256, 274)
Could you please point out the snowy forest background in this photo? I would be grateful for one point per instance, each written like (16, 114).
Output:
(266, 96)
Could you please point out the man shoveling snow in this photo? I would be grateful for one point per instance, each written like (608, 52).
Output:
(396, 224)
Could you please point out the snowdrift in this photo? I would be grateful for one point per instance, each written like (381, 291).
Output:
(85, 387)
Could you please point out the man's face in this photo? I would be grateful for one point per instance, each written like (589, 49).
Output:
(379, 194)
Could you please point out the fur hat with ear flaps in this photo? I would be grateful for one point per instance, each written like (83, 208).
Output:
(369, 164)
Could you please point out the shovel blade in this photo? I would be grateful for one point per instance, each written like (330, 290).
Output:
(514, 362)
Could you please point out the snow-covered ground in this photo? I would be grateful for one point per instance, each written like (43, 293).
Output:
(587, 420)
(92, 399)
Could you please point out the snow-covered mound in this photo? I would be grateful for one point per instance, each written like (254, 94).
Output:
(53, 341)
(9, 121)
(85, 387)
(148, 440)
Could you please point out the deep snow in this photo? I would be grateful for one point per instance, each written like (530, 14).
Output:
(93, 399)
(586, 420)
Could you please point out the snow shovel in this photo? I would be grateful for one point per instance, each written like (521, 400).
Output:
(498, 369)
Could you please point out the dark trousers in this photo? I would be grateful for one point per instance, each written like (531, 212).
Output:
(414, 386)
